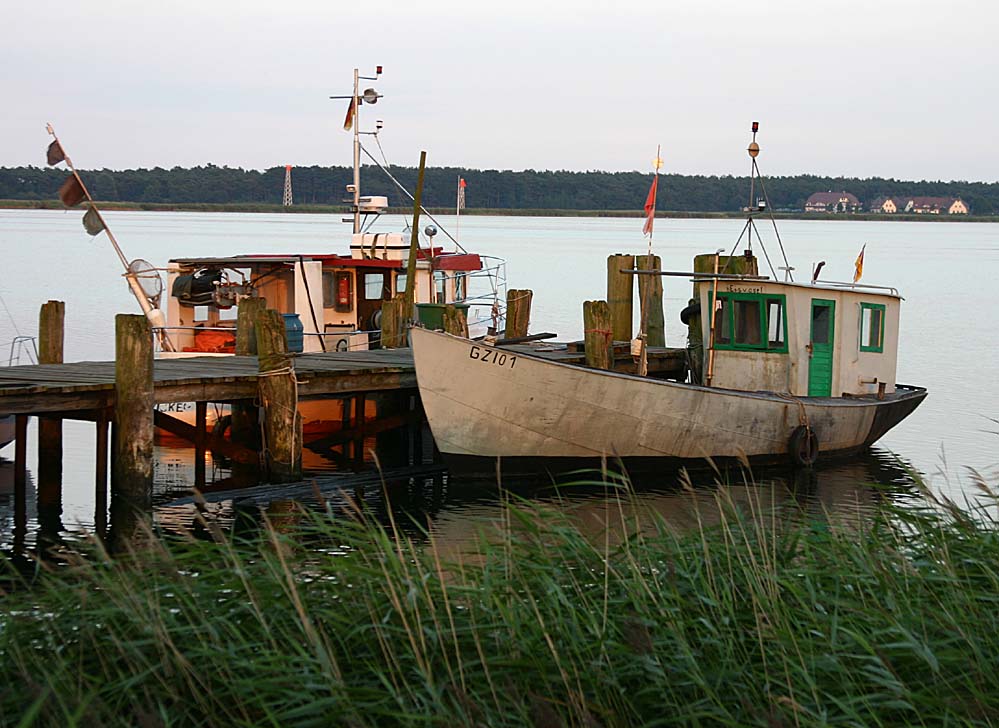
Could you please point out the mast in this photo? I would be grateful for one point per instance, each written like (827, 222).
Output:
(357, 156)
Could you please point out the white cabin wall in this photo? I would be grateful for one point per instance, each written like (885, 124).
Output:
(309, 301)
(858, 369)
(751, 371)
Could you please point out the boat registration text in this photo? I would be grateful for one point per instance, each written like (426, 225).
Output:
(492, 356)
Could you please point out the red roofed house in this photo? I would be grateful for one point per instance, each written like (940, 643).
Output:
(934, 206)
(832, 202)
(886, 205)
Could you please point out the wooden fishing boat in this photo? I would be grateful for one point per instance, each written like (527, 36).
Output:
(790, 370)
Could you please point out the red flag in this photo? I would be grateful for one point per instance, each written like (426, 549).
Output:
(348, 122)
(54, 154)
(650, 207)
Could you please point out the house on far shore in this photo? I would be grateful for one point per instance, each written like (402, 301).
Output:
(884, 205)
(919, 205)
(832, 202)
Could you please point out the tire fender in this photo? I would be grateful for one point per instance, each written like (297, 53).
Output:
(803, 446)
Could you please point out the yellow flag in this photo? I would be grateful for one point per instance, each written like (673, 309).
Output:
(858, 266)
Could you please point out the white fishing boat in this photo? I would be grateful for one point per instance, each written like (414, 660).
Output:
(790, 370)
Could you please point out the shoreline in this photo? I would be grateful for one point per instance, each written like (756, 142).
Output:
(250, 207)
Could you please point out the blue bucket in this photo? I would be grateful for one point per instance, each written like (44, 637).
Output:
(293, 327)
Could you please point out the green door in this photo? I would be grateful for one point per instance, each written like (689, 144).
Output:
(820, 362)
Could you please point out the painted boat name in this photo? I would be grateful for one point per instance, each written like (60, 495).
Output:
(492, 356)
(745, 289)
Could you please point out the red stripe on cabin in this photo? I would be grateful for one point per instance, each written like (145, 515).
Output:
(466, 261)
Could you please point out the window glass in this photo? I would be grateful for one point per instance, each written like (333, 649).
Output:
(439, 284)
(723, 328)
(459, 286)
(201, 313)
(820, 324)
(374, 284)
(400, 283)
(872, 327)
(747, 323)
(775, 324)
(329, 291)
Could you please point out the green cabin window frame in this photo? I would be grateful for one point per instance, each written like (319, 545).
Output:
(759, 307)
(879, 310)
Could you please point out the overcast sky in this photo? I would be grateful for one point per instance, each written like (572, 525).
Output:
(894, 89)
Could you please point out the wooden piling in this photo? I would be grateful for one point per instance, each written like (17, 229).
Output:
(278, 390)
(20, 472)
(101, 473)
(51, 320)
(620, 295)
(394, 318)
(244, 426)
(650, 295)
(518, 312)
(200, 424)
(132, 464)
(598, 334)
(455, 322)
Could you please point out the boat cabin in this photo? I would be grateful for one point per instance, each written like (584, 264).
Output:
(809, 340)
(337, 299)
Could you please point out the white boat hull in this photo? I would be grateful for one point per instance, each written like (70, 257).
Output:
(492, 403)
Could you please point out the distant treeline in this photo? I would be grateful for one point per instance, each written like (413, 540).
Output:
(486, 188)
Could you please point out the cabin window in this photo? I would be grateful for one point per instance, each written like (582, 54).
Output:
(459, 286)
(872, 327)
(374, 284)
(751, 322)
(820, 324)
(440, 281)
(400, 283)
(337, 291)
(201, 314)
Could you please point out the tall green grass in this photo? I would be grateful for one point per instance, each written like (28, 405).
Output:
(755, 620)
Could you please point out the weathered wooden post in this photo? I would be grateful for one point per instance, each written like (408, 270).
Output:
(518, 312)
(51, 320)
(394, 322)
(620, 295)
(597, 335)
(650, 295)
(455, 322)
(20, 479)
(244, 427)
(132, 465)
(101, 473)
(279, 399)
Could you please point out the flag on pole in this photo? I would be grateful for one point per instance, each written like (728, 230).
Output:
(92, 221)
(650, 207)
(71, 193)
(54, 154)
(858, 266)
(348, 122)
(461, 193)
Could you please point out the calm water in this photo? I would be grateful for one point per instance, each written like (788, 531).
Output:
(945, 272)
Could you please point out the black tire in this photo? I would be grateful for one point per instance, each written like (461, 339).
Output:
(222, 425)
(693, 309)
(803, 446)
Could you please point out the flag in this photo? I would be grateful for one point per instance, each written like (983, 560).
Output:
(92, 221)
(650, 207)
(348, 122)
(858, 266)
(71, 193)
(55, 154)
(461, 193)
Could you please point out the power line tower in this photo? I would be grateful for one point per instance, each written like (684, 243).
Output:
(286, 201)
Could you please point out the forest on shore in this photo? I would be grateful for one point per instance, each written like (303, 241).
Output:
(493, 189)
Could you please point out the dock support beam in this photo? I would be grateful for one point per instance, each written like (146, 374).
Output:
(20, 478)
(599, 346)
(518, 312)
(132, 465)
(650, 295)
(200, 424)
(245, 427)
(101, 474)
(279, 399)
(620, 295)
(51, 320)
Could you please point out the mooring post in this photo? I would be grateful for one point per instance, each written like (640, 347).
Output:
(394, 320)
(650, 293)
(20, 472)
(360, 419)
(620, 295)
(598, 336)
(132, 464)
(454, 321)
(51, 321)
(518, 312)
(245, 428)
(278, 390)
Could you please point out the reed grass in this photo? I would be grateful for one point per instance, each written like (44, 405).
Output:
(755, 620)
